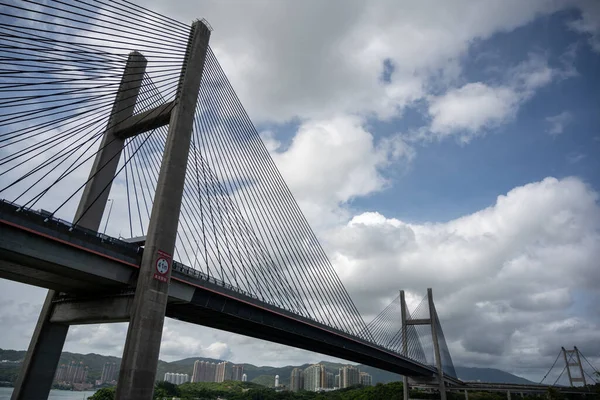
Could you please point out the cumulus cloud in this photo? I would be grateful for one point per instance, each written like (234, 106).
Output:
(507, 272)
(470, 108)
(332, 161)
(473, 108)
(328, 58)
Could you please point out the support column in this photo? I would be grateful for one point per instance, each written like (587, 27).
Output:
(142, 346)
(405, 389)
(436, 345)
(95, 194)
(466, 394)
(48, 339)
(580, 366)
(508, 395)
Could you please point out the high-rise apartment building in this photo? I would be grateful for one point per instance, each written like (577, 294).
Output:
(75, 372)
(61, 373)
(176, 378)
(329, 381)
(236, 372)
(336, 381)
(296, 380)
(366, 379)
(109, 373)
(204, 371)
(312, 377)
(210, 373)
(71, 372)
(349, 376)
(196, 371)
(223, 371)
(79, 373)
(244, 378)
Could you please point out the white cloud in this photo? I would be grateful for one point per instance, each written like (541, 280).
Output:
(471, 108)
(475, 107)
(558, 122)
(507, 272)
(327, 59)
(332, 161)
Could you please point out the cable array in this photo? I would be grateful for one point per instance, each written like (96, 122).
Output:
(386, 330)
(63, 63)
(592, 376)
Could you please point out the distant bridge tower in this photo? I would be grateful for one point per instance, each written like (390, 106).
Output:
(573, 359)
(433, 322)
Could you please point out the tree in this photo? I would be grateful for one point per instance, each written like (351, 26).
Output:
(104, 394)
(166, 389)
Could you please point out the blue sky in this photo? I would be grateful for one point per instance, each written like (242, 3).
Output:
(449, 179)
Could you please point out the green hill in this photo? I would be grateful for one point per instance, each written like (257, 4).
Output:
(262, 375)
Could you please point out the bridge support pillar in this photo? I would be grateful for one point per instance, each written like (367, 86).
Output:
(436, 345)
(39, 366)
(142, 346)
(405, 389)
(466, 394)
(508, 394)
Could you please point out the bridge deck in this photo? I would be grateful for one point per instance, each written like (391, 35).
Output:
(46, 252)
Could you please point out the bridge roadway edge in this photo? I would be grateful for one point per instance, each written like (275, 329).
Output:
(208, 298)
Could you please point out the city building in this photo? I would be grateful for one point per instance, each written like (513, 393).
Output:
(223, 371)
(61, 373)
(196, 371)
(349, 376)
(71, 371)
(109, 373)
(329, 381)
(176, 378)
(244, 378)
(312, 377)
(210, 372)
(204, 371)
(276, 381)
(336, 381)
(75, 372)
(366, 379)
(296, 380)
(237, 371)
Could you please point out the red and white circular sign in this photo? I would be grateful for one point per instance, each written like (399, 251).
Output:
(162, 266)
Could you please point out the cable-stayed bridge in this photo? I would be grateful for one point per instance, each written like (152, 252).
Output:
(117, 118)
(135, 186)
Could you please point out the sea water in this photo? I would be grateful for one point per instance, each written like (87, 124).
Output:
(5, 393)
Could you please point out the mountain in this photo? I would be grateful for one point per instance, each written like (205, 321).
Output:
(489, 375)
(264, 375)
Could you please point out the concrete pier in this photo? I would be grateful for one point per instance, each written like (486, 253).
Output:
(140, 356)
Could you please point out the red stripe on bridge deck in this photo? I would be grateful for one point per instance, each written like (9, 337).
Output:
(67, 243)
(198, 286)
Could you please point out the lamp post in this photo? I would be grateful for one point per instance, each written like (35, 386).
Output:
(108, 216)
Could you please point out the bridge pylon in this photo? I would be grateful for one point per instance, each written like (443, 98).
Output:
(146, 311)
(573, 359)
(431, 321)
(144, 334)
